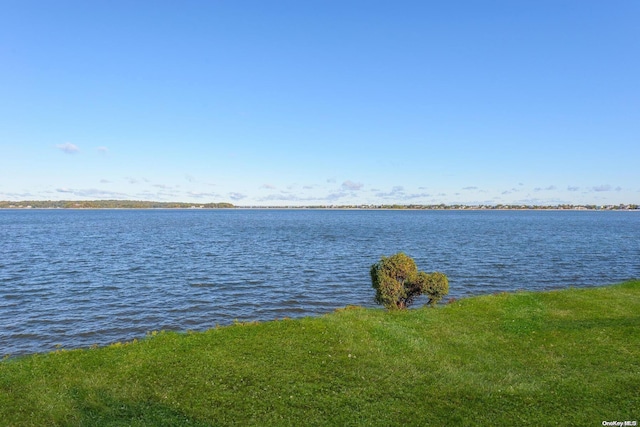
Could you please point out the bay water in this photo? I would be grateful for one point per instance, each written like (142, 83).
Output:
(75, 278)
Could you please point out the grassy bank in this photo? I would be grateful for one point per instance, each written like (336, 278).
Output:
(569, 357)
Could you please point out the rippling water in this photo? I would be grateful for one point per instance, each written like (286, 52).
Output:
(76, 278)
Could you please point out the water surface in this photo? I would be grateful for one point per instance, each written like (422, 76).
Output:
(81, 277)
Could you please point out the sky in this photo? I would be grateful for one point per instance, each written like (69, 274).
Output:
(321, 102)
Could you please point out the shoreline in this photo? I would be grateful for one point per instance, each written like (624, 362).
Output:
(320, 368)
(133, 205)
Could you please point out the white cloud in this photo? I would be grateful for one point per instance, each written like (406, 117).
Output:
(352, 186)
(284, 197)
(335, 196)
(103, 150)
(600, 188)
(91, 193)
(510, 191)
(23, 196)
(396, 192)
(201, 195)
(549, 188)
(68, 148)
(538, 201)
(268, 186)
(237, 196)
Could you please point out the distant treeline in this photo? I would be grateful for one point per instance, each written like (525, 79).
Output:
(137, 204)
(109, 204)
(460, 207)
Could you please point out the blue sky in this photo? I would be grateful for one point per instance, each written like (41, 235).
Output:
(321, 102)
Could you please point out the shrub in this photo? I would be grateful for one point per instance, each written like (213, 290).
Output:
(398, 282)
(434, 285)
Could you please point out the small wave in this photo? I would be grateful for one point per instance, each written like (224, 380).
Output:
(202, 285)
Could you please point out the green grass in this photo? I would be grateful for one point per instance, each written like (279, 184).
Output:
(569, 357)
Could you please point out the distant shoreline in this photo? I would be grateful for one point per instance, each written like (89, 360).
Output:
(135, 204)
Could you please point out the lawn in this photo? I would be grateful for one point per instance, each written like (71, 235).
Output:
(566, 357)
